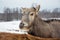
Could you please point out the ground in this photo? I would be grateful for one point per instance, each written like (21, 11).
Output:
(10, 31)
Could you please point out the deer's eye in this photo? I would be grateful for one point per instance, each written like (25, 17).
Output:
(31, 14)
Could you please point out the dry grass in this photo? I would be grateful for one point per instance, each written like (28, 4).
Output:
(9, 36)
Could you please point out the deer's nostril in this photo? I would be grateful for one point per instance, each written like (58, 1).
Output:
(21, 25)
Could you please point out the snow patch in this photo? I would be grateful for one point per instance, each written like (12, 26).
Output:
(11, 27)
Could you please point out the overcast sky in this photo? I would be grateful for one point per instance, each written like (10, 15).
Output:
(45, 4)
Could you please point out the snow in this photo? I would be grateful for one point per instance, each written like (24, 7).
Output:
(50, 18)
(11, 27)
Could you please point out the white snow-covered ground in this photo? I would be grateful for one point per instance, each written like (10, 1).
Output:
(11, 27)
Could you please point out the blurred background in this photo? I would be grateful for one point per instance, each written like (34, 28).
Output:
(10, 9)
(10, 12)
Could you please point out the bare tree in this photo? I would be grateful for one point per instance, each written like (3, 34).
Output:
(7, 15)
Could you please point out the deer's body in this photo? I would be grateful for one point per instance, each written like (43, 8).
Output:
(36, 26)
(43, 29)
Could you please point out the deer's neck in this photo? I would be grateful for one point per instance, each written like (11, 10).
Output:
(39, 27)
(38, 21)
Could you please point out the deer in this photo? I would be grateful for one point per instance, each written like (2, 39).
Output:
(34, 25)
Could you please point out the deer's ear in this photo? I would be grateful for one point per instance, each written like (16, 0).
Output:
(22, 10)
(37, 8)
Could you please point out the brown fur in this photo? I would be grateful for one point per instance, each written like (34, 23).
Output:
(36, 26)
(43, 29)
(12, 36)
